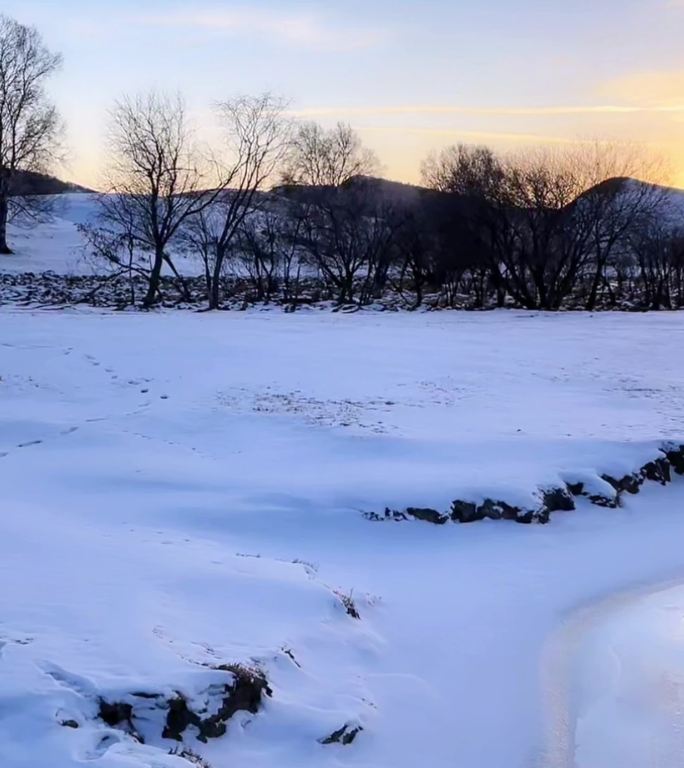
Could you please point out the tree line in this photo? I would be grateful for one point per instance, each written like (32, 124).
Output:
(286, 211)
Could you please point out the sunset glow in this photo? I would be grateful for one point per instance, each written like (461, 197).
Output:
(411, 78)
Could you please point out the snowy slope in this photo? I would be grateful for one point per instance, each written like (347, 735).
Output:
(674, 209)
(56, 245)
(184, 491)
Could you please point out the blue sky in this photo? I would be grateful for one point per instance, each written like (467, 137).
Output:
(411, 76)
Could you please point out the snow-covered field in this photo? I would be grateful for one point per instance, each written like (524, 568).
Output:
(185, 491)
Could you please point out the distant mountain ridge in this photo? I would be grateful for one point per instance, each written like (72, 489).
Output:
(395, 193)
(32, 183)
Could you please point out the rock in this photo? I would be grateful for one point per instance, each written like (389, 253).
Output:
(612, 481)
(629, 483)
(428, 515)
(599, 499)
(345, 735)
(69, 724)
(464, 512)
(675, 455)
(528, 516)
(555, 499)
(632, 484)
(244, 693)
(492, 509)
(658, 471)
(558, 500)
(178, 718)
(117, 713)
(609, 502)
(500, 510)
(389, 515)
(576, 489)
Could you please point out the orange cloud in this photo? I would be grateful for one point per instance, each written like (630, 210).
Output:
(655, 91)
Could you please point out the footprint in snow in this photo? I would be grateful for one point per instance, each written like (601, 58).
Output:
(4, 642)
(68, 680)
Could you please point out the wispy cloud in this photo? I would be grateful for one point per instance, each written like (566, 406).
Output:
(494, 111)
(507, 137)
(305, 30)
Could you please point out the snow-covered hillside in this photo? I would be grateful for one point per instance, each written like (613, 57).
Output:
(184, 492)
(56, 245)
(674, 208)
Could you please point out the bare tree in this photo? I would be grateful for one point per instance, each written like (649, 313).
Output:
(327, 158)
(476, 177)
(550, 221)
(472, 171)
(348, 234)
(256, 138)
(347, 230)
(118, 256)
(155, 182)
(29, 124)
(658, 256)
(540, 248)
(271, 251)
(263, 254)
(614, 206)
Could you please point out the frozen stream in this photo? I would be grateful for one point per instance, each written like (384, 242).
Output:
(615, 682)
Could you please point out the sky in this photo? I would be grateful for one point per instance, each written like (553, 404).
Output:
(411, 77)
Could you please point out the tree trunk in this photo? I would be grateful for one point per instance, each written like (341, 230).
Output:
(595, 284)
(215, 288)
(155, 275)
(4, 215)
(181, 280)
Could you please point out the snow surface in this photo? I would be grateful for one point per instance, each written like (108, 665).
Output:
(185, 490)
(56, 244)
